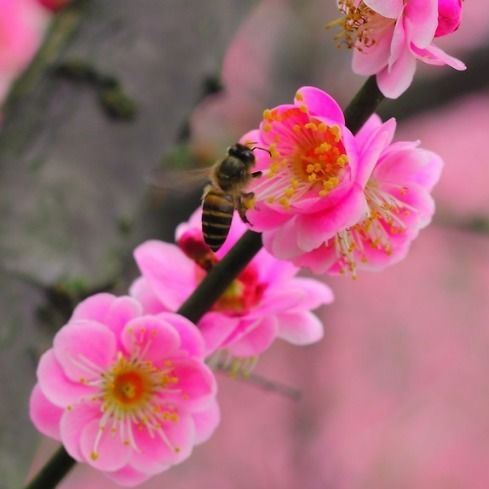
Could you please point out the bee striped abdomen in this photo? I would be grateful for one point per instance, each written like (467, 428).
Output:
(217, 214)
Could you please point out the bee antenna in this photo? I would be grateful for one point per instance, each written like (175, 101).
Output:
(263, 149)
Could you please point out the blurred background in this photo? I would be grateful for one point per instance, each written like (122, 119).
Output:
(396, 395)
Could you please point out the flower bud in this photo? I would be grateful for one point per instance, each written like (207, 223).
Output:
(449, 16)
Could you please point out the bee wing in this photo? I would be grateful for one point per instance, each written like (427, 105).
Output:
(181, 181)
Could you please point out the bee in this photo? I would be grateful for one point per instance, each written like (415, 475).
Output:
(225, 193)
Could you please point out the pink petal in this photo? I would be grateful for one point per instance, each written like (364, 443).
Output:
(319, 260)
(374, 122)
(94, 307)
(408, 165)
(111, 453)
(263, 218)
(121, 311)
(315, 229)
(257, 340)
(392, 83)
(314, 293)
(301, 328)
(399, 42)
(73, 423)
(282, 242)
(379, 140)
(433, 55)
(421, 18)
(391, 9)
(44, 414)
(271, 270)
(169, 272)
(206, 422)
(191, 339)
(196, 383)
(128, 477)
(143, 293)
(320, 103)
(215, 328)
(82, 342)
(155, 454)
(373, 59)
(151, 338)
(54, 384)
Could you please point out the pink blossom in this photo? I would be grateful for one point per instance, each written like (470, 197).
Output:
(266, 300)
(313, 179)
(126, 393)
(390, 35)
(399, 205)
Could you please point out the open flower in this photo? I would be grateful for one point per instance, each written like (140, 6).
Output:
(127, 393)
(313, 181)
(388, 36)
(399, 205)
(264, 302)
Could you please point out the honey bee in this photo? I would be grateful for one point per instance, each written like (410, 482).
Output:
(225, 193)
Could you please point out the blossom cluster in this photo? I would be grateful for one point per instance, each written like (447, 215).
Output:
(333, 201)
(128, 386)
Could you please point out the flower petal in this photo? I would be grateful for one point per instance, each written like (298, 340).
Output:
(143, 293)
(315, 229)
(73, 422)
(390, 9)
(94, 308)
(84, 349)
(301, 328)
(433, 55)
(215, 328)
(421, 18)
(44, 414)
(206, 422)
(169, 272)
(257, 340)
(121, 311)
(191, 339)
(320, 103)
(196, 384)
(128, 477)
(155, 453)
(392, 83)
(150, 338)
(54, 384)
(103, 449)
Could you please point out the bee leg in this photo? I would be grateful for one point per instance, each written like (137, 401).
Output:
(246, 201)
(256, 174)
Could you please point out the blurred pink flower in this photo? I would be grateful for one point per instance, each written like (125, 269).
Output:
(390, 35)
(314, 178)
(126, 393)
(399, 205)
(266, 301)
(21, 26)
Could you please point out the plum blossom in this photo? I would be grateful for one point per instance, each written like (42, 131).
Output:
(388, 36)
(313, 181)
(264, 302)
(125, 392)
(399, 205)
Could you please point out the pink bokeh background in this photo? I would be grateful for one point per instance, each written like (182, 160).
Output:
(396, 394)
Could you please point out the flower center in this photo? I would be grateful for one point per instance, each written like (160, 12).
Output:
(307, 157)
(132, 396)
(360, 25)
